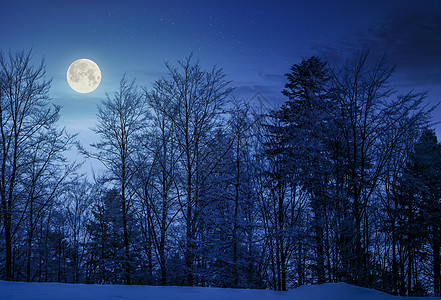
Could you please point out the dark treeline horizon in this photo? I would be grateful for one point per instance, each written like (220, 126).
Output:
(341, 183)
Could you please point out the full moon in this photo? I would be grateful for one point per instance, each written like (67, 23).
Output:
(84, 76)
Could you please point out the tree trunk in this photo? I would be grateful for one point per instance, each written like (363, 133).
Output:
(235, 254)
(126, 244)
(235, 216)
(162, 261)
(436, 267)
(394, 263)
(319, 243)
(409, 273)
(6, 209)
(149, 255)
(357, 268)
(8, 243)
(189, 255)
(29, 252)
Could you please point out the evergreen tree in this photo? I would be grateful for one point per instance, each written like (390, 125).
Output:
(419, 208)
(106, 246)
(308, 127)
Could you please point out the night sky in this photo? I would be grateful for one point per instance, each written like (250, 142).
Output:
(255, 42)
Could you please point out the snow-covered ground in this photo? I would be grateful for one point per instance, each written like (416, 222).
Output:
(61, 291)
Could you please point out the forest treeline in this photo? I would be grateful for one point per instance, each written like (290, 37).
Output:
(340, 183)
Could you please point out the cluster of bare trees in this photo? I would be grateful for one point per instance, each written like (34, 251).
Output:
(31, 156)
(338, 184)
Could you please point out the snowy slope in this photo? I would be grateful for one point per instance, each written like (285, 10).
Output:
(60, 291)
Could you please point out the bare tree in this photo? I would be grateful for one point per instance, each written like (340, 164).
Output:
(28, 137)
(195, 100)
(157, 188)
(44, 176)
(233, 210)
(283, 205)
(77, 201)
(373, 124)
(121, 118)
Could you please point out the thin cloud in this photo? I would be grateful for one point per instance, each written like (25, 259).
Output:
(411, 40)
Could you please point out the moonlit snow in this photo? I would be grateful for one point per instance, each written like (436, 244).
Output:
(62, 291)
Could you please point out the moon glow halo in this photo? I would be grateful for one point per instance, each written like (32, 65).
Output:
(83, 76)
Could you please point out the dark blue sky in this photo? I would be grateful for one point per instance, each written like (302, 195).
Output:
(255, 42)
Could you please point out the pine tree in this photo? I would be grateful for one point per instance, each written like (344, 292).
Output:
(106, 246)
(419, 207)
(308, 127)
